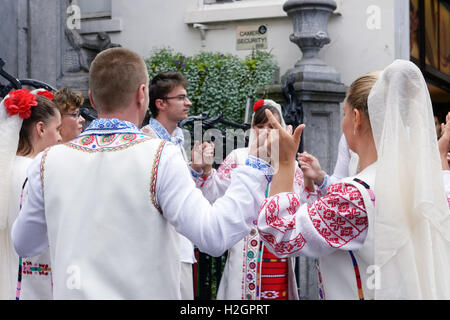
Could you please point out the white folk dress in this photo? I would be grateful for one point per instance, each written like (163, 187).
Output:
(242, 274)
(31, 277)
(334, 229)
(337, 229)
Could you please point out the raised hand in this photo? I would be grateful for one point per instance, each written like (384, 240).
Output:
(444, 143)
(286, 142)
(287, 145)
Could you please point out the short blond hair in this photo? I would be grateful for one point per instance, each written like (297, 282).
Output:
(114, 78)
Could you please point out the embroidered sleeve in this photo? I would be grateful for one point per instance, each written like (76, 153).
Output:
(306, 195)
(215, 185)
(336, 221)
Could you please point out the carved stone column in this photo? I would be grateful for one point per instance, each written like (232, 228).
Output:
(317, 85)
(319, 93)
(310, 23)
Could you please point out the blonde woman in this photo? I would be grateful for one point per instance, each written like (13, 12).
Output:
(384, 233)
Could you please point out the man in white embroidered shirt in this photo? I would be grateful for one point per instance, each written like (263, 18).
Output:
(116, 226)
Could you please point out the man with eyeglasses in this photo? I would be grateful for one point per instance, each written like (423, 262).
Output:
(168, 105)
(69, 103)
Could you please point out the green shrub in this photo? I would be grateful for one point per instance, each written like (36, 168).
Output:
(217, 82)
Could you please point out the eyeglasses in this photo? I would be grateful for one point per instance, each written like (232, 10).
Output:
(181, 97)
(73, 115)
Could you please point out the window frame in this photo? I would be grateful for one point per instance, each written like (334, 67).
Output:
(432, 75)
(234, 11)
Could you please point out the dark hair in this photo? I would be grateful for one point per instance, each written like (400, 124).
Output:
(161, 85)
(260, 114)
(44, 111)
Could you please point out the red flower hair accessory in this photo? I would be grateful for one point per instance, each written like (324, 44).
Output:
(20, 102)
(46, 94)
(258, 104)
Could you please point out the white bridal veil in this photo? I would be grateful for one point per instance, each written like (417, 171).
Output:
(412, 217)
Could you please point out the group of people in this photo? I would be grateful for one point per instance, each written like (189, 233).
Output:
(114, 211)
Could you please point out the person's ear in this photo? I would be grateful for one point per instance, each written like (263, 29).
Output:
(159, 103)
(141, 95)
(357, 119)
(39, 127)
(91, 100)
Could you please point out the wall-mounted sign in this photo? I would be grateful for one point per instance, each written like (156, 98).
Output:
(251, 37)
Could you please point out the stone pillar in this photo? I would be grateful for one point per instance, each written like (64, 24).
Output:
(319, 89)
(45, 40)
(317, 85)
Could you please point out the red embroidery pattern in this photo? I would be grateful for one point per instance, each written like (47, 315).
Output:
(294, 203)
(340, 216)
(272, 212)
(38, 269)
(298, 177)
(284, 247)
(224, 171)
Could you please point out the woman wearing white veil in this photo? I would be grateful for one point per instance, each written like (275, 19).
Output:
(251, 272)
(29, 122)
(394, 242)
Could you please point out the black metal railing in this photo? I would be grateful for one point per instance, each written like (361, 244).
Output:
(14, 83)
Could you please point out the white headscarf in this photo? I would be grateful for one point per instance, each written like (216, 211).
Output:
(412, 217)
(252, 139)
(266, 102)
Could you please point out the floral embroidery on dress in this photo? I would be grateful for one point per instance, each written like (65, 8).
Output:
(298, 177)
(269, 295)
(272, 212)
(340, 216)
(284, 247)
(252, 254)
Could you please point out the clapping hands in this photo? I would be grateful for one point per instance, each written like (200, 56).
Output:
(202, 156)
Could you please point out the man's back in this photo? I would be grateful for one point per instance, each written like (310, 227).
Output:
(107, 238)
